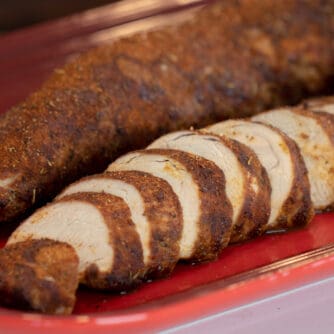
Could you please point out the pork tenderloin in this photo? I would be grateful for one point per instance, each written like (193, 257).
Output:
(94, 229)
(232, 59)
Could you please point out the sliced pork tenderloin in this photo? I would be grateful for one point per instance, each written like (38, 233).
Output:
(324, 109)
(314, 135)
(200, 187)
(39, 274)
(290, 191)
(155, 211)
(247, 183)
(99, 228)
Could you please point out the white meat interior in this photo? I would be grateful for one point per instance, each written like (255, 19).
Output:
(182, 184)
(272, 152)
(328, 108)
(211, 148)
(129, 194)
(316, 149)
(77, 223)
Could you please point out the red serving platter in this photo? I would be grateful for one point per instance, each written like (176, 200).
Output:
(243, 273)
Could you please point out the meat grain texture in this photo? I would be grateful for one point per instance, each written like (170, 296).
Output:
(246, 182)
(154, 207)
(207, 219)
(280, 156)
(233, 58)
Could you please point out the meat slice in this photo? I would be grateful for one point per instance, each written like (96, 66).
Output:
(323, 104)
(247, 184)
(324, 109)
(290, 197)
(40, 275)
(200, 187)
(314, 134)
(155, 211)
(99, 228)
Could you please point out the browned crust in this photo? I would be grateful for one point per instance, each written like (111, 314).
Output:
(215, 221)
(298, 209)
(233, 59)
(164, 214)
(255, 212)
(39, 274)
(128, 267)
(163, 211)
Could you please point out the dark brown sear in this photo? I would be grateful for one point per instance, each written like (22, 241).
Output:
(155, 210)
(200, 187)
(233, 59)
(255, 211)
(39, 274)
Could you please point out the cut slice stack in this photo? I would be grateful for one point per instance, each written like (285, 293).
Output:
(312, 128)
(247, 184)
(200, 186)
(155, 211)
(186, 197)
(279, 155)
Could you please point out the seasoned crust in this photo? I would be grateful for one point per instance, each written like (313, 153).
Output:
(298, 210)
(39, 274)
(215, 221)
(326, 120)
(313, 133)
(255, 212)
(128, 268)
(163, 210)
(105, 101)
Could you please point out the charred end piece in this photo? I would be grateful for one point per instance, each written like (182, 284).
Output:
(41, 275)
(99, 228)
